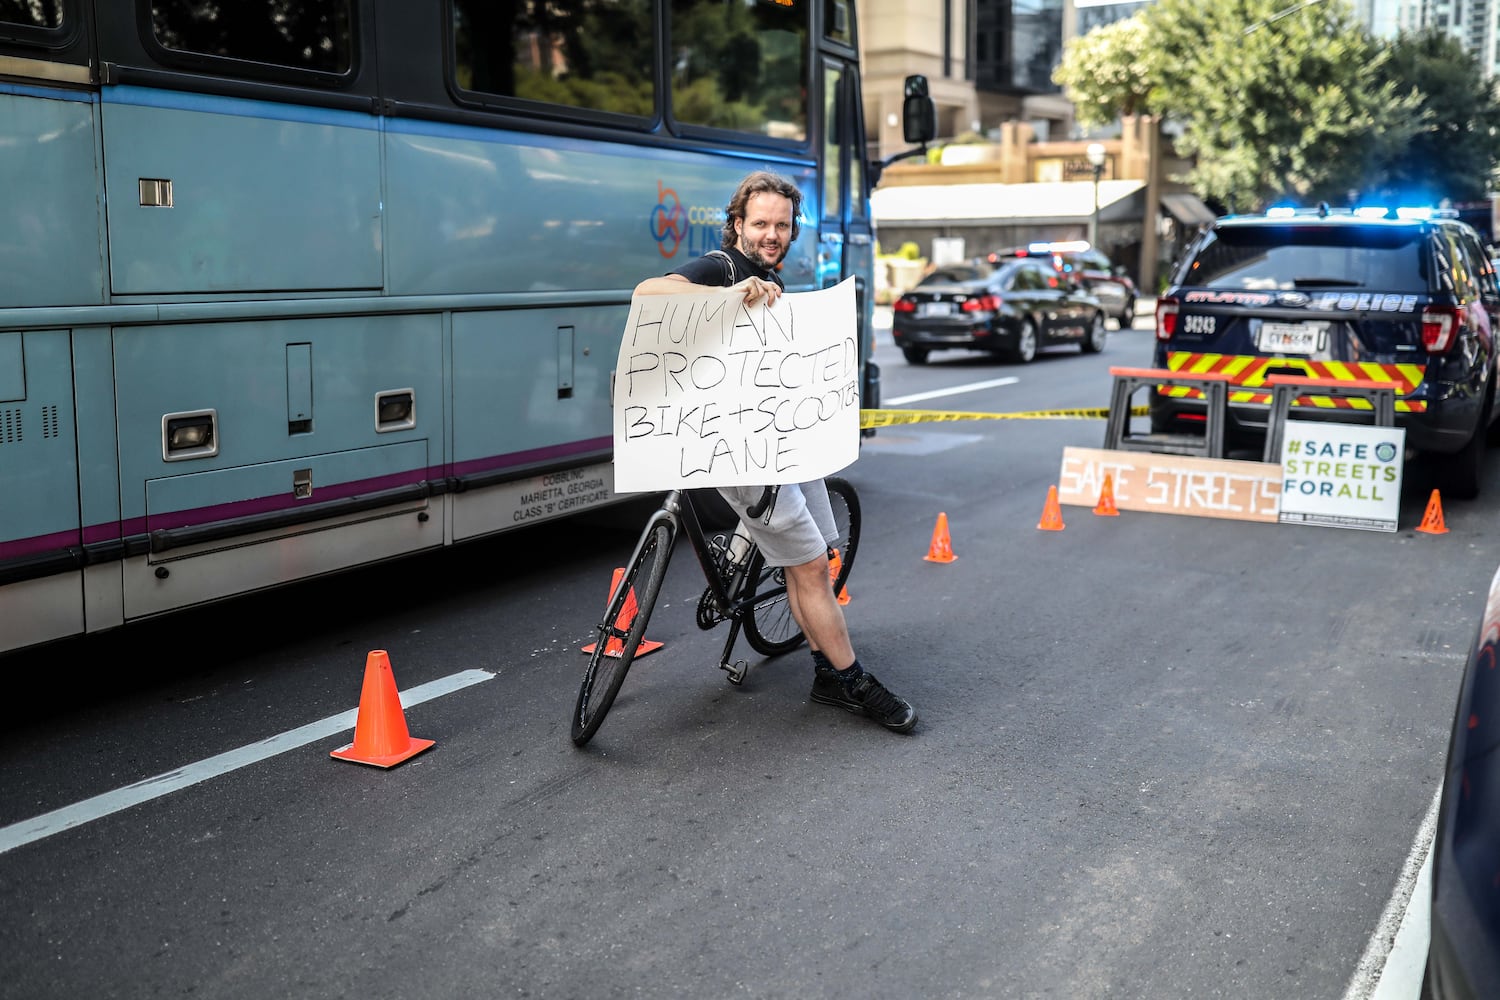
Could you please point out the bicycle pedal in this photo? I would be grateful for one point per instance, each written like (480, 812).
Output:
(736, 670)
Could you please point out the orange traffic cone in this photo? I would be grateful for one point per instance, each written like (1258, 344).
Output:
(1106, 505)
(622, 622)
(1051, 513)
(1432, 520)
(380, 734)
(834, 565)
(941, 549)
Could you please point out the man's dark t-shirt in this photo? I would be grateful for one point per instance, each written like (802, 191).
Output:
(713, 269)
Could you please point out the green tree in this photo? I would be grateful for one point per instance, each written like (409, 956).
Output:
(1278, 102)
(1454, 156)
(1274, 100)
(1109, 72)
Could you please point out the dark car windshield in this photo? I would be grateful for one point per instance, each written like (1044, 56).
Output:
(1303, 256)
(951, 274)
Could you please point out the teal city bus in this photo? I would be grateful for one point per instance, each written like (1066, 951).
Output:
(291, 286)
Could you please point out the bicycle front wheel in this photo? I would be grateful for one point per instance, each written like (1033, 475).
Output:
(620, 632)
(770, 627)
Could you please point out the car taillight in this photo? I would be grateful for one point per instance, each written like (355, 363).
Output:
(904, 305)
(981, 303)
(1439, 324)
(1166, 318)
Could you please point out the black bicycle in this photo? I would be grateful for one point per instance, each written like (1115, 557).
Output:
(742, 590)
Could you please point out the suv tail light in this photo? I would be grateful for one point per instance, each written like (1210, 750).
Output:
(1439, 324)
(1166, 318)
(981, 303)
(904, 305)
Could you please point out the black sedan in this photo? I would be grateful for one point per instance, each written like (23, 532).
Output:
(1098, 273)
(1463, 958)
(1015, 308)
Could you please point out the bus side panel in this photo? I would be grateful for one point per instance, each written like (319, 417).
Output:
(531, 388)
(39, 496)
(297, 425)
(476, 211)
(191, 574)
(262, 197)
(99, 475)
(50, 235)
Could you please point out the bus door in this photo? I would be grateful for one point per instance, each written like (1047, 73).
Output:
(846, 243)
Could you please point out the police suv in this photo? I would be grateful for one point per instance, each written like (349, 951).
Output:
(1392, 296)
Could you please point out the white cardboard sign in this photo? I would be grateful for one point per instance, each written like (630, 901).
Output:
(710, 392)
(1341, 475)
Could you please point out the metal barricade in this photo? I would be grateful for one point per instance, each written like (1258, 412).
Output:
(1128, 381)
(1287, 389)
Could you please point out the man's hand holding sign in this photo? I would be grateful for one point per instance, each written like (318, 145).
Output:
(716, 388)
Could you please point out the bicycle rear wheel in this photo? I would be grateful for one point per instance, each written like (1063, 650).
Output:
(620, 632)
(769, 627)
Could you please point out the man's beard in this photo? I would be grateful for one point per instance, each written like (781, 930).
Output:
(755, 257)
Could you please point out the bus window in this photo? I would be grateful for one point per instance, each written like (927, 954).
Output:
(740, 66)
(42, 14)
(591, 54)
(310, 35)
(858, 200)
(833, 128)
(838, 26)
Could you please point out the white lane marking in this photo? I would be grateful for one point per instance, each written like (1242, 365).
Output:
(954, 391)
(1396, 956)
(47, 824)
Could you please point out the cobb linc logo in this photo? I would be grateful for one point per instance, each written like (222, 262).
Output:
(672, 225)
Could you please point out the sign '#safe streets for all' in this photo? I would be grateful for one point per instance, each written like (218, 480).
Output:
(710, 392)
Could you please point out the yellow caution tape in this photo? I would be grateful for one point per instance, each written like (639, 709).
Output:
(891, 418)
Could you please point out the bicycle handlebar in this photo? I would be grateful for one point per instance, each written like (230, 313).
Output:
(767, 497)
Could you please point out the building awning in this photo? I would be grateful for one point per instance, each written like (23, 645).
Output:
(996, 204)
(1035, 204)
(1187, 209)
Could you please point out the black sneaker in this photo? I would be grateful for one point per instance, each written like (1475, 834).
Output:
(865, 695)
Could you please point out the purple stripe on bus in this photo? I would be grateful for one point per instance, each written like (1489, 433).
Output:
(111, 530)
(531, 456)
(281, 501)
(107, 532)
(41, 543)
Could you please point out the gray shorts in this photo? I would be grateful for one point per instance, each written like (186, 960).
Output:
(802, 525)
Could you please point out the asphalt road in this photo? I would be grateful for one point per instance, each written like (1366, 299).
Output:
(1158, 757)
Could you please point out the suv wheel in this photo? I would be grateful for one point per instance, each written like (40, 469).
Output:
(1459, 474)
(915, 355)
(1127, 315)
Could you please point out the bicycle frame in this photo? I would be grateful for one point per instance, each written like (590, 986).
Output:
(731, 596)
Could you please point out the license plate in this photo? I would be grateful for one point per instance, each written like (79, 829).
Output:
(935, 309)
(1290, 338)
